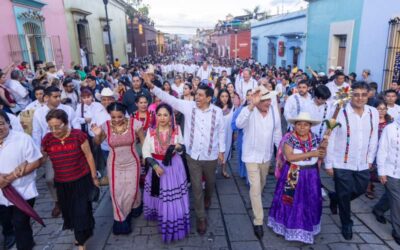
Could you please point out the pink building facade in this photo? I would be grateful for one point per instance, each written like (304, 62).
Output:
(33, 30)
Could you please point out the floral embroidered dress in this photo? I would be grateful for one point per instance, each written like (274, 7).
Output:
(297, 205)
(170, 204)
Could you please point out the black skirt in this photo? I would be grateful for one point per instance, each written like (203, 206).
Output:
(76, 207)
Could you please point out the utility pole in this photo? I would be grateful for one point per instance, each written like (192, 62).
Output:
(108, 31)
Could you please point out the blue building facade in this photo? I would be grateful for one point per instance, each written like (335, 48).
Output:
(280, 40)
(354, 35)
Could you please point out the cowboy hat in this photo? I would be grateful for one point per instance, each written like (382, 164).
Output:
(264, 92)
(105, 92)
(304, 117)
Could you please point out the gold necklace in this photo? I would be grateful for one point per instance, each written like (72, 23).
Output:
(62, 140)
(119, 130)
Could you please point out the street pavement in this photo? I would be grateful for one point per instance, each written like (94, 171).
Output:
(229, 219)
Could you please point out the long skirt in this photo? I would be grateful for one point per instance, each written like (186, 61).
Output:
(171, 207)
(123, 169)
(239, 146)
(76, 208)
(299, 221)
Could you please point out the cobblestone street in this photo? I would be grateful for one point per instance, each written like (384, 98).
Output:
(230, 225)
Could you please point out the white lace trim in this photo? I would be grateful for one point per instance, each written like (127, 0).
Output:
(294, 234)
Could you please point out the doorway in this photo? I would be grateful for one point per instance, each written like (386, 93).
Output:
(84, 43)
(342, 50)
(34, 41)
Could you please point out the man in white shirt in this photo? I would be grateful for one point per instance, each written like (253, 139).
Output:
(204, 71)
(39, 102)
(99, 118)
(245, 83)
(69, 95)
(393, 108)
(388, 161)
(204, 137)
(178, 85)
(336, 84)
(299, 102)
(40, 128)
(320, 109)
(19, 158)
(224, 73)
(19, 92)
(261, 126)
(282, 89)
(351, 152)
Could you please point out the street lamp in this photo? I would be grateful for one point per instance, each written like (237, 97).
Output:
(236, 48)
(108, 31)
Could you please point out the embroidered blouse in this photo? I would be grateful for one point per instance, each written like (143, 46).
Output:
(152, 145)
(298, 146)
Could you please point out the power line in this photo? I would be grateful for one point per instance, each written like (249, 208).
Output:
(182, 26)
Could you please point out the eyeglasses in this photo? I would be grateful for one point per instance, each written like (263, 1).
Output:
(358, 95)
(382, 109)
(56, 128)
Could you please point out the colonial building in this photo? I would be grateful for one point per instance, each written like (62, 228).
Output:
(142, 36)
(87, 31)
(231, 37)
(33, 30)
(232, 44)
(356, 35)
(280, 40)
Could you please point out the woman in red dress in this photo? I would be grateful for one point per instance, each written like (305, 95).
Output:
(74, 174)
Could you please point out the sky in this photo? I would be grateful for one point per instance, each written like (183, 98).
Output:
(185, 16)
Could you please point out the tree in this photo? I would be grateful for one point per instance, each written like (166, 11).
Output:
(134, 3)
(253, 13)
(144, 10)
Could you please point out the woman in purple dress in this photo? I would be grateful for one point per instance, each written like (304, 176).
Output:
(297, 205)
(166, 196)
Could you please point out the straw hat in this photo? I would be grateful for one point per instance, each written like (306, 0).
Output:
(265, 93)
(304, 117)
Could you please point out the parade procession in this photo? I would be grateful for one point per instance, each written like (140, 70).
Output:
(149, 124)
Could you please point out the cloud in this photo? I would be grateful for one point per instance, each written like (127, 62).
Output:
(172, 15)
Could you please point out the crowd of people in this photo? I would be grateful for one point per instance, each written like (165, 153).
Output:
(157, 128)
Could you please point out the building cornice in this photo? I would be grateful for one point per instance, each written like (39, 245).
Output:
(30, 3)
